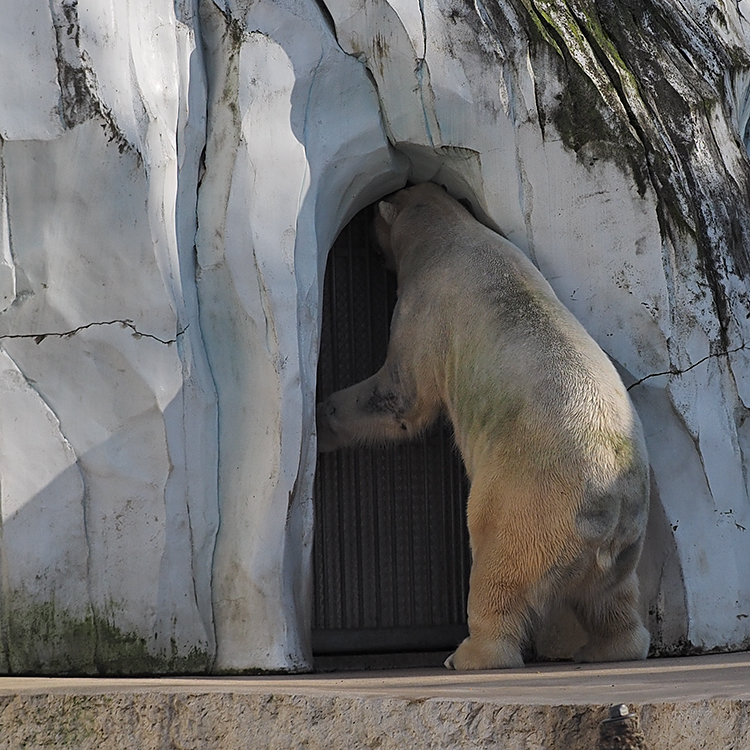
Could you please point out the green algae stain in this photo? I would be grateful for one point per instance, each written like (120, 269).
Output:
(46, 639)
(540, 26)
(596, 114)
(128, 654)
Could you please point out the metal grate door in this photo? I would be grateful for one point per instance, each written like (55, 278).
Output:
(391, 556)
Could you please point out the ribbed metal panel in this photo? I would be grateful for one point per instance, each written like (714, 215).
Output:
(391, 556)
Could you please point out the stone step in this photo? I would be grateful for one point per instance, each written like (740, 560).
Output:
(683, 704)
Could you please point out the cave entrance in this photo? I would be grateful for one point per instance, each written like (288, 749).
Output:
(391, 554)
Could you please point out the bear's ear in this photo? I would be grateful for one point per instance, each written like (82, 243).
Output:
(388, 212)
(466, 203)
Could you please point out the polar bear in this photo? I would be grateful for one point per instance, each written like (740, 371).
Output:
(554, 451)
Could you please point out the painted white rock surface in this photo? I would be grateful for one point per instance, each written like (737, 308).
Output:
(109, 509)
(172, 176)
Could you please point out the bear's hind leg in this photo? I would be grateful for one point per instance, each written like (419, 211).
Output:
(613, 623)
(502, 590)
(516, 547)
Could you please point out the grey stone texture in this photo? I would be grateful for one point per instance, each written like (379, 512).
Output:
(683, 704)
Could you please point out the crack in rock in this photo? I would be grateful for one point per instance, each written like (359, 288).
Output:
(675, 371)
(126, 323)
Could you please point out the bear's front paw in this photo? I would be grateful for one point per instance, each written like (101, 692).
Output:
(327, 441)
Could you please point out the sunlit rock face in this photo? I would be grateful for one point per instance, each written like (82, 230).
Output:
(108, 420)
(172, 176)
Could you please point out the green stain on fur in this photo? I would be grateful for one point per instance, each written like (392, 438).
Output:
(482, 405)
(622, 447)
(487, 411)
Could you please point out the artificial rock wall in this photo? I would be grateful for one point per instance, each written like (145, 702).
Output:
(172, 176)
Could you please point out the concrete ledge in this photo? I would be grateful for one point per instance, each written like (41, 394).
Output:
(684, 704)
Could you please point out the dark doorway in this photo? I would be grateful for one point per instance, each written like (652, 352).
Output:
(391, 555)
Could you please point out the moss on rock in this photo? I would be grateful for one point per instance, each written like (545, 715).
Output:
(44, 638)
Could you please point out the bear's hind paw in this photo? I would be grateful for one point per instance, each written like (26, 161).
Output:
(627, 647)
(485, 655)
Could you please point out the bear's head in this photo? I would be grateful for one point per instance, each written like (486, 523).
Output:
(408, 201)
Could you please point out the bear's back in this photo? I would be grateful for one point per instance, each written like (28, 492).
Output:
(516, 366)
